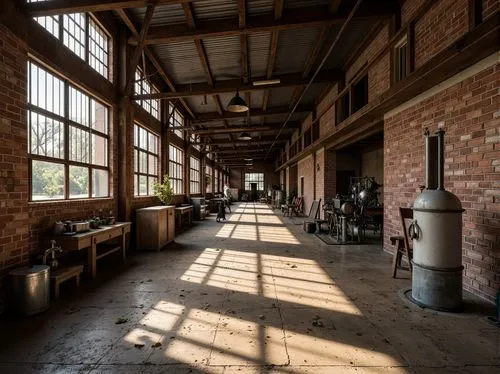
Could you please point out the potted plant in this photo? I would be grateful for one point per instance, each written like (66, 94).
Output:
(164, 191)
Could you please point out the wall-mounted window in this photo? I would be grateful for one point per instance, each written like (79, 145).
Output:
(257, 178)
(81, 34)
(208, 178)
(194, 176)
(193, 138)
(175, 119)
(401, 56)
(68, 140)
(176, 169)
(144, 87)
(360, 94)
(342, 108)
(216, 181)
(146, 155)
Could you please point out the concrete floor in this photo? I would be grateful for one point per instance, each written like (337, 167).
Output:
(253, 295)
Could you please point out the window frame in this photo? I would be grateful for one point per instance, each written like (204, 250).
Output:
(67, 124)
(59, 33)
(397, 62)
(209, 173)
(175, 119)
(258, 180)
(137, 160)
(179, 166)
(143, 86)
(194, 176)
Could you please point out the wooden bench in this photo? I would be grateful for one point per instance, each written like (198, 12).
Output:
(400, 249)
(63, 274)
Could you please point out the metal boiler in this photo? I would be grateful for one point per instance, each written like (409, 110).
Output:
(437, 236)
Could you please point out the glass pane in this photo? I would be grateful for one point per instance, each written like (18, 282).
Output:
(143, 185)
(136, 161)
(99, 150)
(78, 182)
(79, 141)
(46, 136)
(151, 182)
(153, 165)
(143, 162)
(136, 184)
(47, 180)
(99, 117)
(78, 106)
(45, 90)
(100, 183)
(153, 143)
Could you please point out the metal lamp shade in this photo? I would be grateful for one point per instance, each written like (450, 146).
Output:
(245, 136)
(237, 104)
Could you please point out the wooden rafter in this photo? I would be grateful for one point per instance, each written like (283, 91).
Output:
(272, 127)
(228, 86)
(53, 7)
(214, 117)
(138, 49)
(127, 19)
(300, 18)
(241, 142)
(334, 5)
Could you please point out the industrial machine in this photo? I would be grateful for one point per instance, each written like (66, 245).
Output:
(436, 231)
(350, 216)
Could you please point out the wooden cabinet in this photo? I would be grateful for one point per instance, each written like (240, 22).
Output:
(155, 227)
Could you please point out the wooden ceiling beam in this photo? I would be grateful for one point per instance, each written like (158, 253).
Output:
(139, 48)
(305, 17)
(54, 7)
(334, 5)
(228, 86)
(127, 20)
(240, 142)
(213, 117)
(268, 128)
(243, 150)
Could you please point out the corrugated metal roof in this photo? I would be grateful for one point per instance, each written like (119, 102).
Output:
(289, 4)
(280, 96)
(224, 56)
(215, 9)
(258, 53)
(313, 92)
(256, 97)
(163, 15)
(181, 61)
(256, 7)
(293, 48)
(195, 103)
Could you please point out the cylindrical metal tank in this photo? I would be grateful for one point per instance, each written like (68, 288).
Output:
(437, 243)
(30, 290)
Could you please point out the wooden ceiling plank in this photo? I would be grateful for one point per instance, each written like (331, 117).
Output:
(334, 5)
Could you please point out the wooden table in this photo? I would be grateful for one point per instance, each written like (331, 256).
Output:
(181, 211)
(90, 239)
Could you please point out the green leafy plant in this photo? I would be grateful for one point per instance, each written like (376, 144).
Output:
(292, 195)
(164, 191)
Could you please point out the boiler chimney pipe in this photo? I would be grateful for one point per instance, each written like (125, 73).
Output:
(440, 134)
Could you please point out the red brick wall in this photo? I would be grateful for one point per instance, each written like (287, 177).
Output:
(14, 233)
(471, 116)
(409, 8)
(305, 168)
(444, 23)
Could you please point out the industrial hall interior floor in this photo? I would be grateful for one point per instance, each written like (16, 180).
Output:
(255, 294)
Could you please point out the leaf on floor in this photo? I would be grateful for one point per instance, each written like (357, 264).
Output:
(121, 320)
(139, 346)
(156, 345)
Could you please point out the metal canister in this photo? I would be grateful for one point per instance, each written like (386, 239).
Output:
(30, 290)
(437, 250)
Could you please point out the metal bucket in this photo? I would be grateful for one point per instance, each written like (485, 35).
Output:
(30, 290)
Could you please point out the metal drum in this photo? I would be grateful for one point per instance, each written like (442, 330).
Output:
(30, 290)
(347, 208)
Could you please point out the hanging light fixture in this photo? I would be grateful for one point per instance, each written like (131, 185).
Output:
(244, 136)
(237, 104)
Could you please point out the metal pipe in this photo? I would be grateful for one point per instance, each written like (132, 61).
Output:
(440, 134)
(318, 69)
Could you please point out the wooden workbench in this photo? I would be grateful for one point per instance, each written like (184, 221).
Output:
(182, 210)
(90, 239)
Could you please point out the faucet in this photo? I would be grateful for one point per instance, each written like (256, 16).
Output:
(52, 251)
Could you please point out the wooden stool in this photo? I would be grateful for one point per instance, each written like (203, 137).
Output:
(63, 274)
(399, 243)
